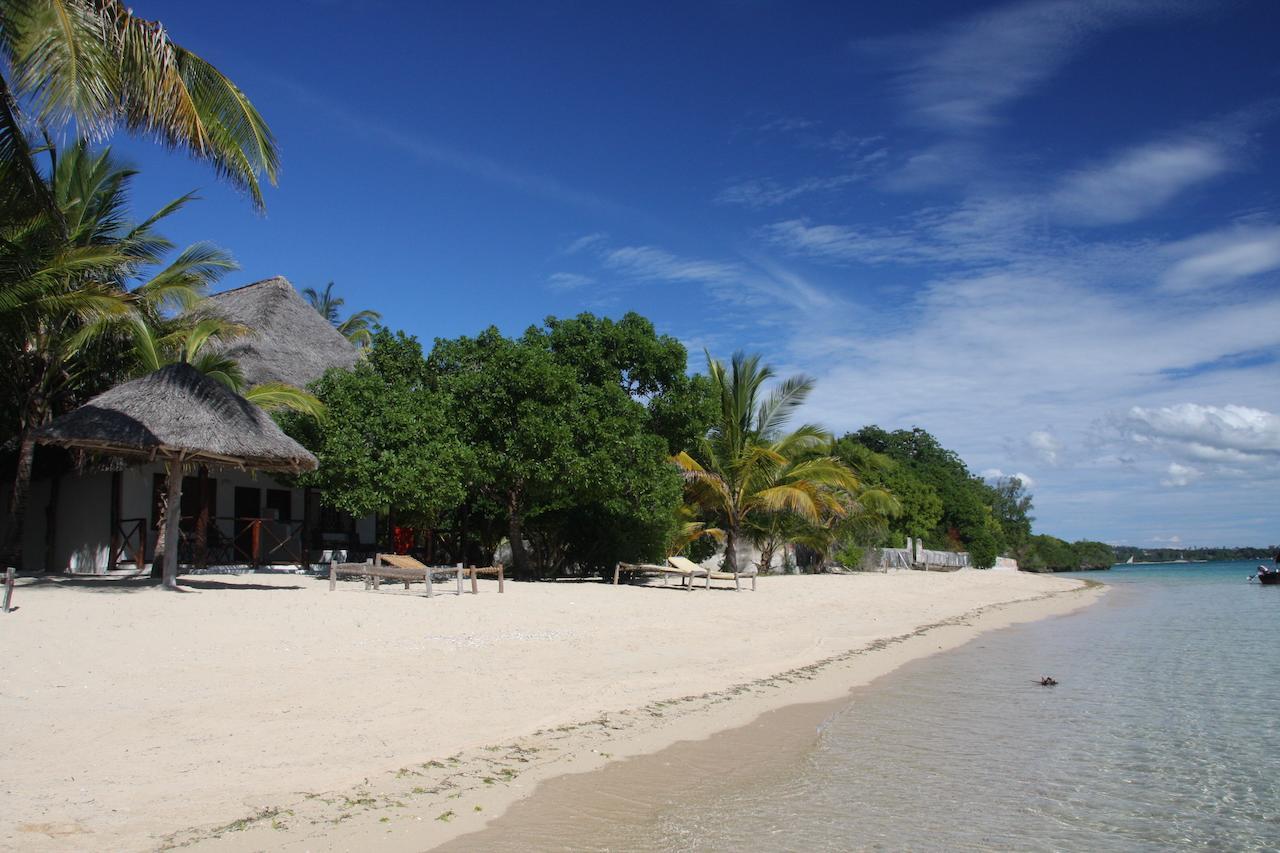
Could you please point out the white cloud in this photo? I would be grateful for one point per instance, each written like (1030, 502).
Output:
(998, 474)
(843, 244)
(586, 241)
(1172, 540)
(1222, 257)
(759, 193)
(652, 263)
(568, 280)
(1180, 475)
(958, 76)
(1242, 429)
(1045, 445)
(1138, 181)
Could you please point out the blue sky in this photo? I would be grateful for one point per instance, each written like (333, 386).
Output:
(1048, 232)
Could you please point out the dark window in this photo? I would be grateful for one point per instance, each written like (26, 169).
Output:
(281, 500)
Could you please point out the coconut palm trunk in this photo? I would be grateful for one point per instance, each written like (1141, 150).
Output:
(172, 504)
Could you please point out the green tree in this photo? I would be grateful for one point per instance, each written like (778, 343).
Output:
(964, 498)
(1093, 555)
(93, 62)
(357, 328)
(747, 466)
(919, 509)
(69, 277)
(510, 401)
(388, 442)
(1048, 553)
(1012, 505)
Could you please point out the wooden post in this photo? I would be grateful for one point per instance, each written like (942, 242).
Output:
(333, 575)
(474, 589)
(257, 541)
(173, 504)
(500, 590)
(459, 578)
(617, 567)
(8, 589)
(430, 588)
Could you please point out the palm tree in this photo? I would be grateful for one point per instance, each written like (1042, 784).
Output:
(94, 62)
(746, 467)
(358, 328)
(65, 296)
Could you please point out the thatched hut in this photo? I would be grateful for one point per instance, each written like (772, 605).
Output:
(179, 416)
(108, 518)
(288, 340)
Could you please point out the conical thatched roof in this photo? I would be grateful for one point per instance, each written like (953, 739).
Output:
(178, 412)
(289, 340)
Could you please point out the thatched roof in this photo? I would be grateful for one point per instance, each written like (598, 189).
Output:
(178, 412)
(289, 342)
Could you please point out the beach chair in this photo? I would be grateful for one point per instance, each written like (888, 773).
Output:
(696, 571)
(395, 567)
(404, 568)
(664, 571)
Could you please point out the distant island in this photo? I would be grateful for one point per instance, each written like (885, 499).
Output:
(1192, 555)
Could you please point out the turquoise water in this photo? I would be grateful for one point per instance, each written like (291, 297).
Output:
(1164, 733)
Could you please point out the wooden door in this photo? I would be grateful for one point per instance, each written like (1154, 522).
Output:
(247, 510)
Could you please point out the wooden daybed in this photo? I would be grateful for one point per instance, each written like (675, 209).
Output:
(407, 570)
(686, 570)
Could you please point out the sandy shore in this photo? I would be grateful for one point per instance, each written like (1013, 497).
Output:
(266, 712)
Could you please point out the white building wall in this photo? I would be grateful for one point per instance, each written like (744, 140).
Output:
(83, 527)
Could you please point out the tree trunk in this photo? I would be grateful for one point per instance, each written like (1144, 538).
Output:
(766, 555)
(519, 556)
(172, 513)
(731, 548)
(18, 500)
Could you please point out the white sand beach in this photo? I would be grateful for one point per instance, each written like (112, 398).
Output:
(266, 712)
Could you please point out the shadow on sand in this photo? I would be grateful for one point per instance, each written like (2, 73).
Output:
(137, 584)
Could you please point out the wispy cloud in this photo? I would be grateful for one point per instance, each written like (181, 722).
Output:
(654, 264)
(759, 193)
(584, 242)
(958, 76)
(1140, 180)
(1222, 257)
(568, 280)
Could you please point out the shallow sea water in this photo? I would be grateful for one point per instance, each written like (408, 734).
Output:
(1164, 733)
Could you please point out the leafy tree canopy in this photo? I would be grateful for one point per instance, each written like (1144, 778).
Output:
(389, 442)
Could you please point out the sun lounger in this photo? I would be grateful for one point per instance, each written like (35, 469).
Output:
(653, 569)
(406, 569)
(698, 571)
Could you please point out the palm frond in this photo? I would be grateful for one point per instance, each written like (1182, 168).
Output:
(280, 395)
(780, 405)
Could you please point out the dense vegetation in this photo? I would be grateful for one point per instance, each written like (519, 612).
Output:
(942, 502)
(950, 508)
(560, 439)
